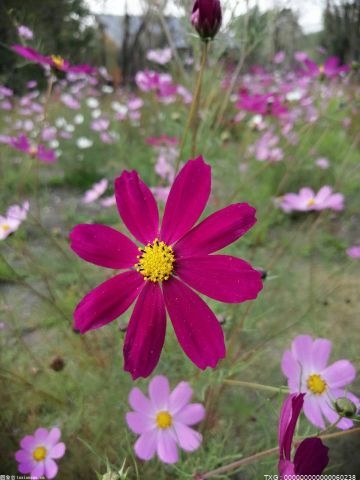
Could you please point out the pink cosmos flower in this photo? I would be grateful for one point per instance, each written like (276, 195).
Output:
(54, 61)
(23, 144)
(305, 366)
(311, 456)
(163, 420)
(95, 191)
(25, 32)
(161, 56)
(330, 69)
(38, 452)
(173, 259)
(262, 104)
(306, 200)
(354, 252)
(15, 215)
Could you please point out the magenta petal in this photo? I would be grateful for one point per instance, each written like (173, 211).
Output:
(38, 470)
(289, 415)
(196, 327)
(107, 301)
(103, 246)
(137, 207)
(217, 230)
(31, 54)
(224, 278)
(145, 334)
(187, 199)
(311, 457)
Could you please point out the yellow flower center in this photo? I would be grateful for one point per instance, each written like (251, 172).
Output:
(316, 384)
(39, 454)
(321, 69)
(5, 227)
(310, 202)
(156, 262)
(33, 150)
(57, 61)
(163, 420)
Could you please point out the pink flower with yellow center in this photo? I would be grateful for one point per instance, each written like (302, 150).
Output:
(174, 259)
(38, 453)
(164, 419)
(305, 366)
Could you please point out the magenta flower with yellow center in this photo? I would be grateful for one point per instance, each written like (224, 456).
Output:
(164, 420)
(174, 259)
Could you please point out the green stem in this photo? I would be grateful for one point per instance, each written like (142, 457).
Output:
(192, 120)
(258, 386)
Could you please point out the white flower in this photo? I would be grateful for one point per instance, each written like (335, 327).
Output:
(83, 142)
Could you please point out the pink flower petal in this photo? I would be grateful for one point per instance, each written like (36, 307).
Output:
(301, 349)
(51, 468)
(53, 437)
(27, 466)
(291, 369)
(139, 422)
(196, 327)
(57, 451)
(145, 334)
(191, 414)
(107, 301)
(166, 446)
(103, 246)
(332, 416)
(217, 230)
(159, 391)
(38, 470)
(23, 456)
(312, 411)
(145, 446)
(137, 207)
(28, 443)
(320, 352)
(188, 439)
(224, 278)
(187, 199)
(180, 397)
(339, 374)
(139, 402)
(40, 436)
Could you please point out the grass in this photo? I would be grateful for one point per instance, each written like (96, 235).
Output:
(50, 375)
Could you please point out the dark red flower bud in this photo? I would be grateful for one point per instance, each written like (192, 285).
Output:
(206, 18)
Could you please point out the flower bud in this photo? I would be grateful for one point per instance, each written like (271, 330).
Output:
(206, 18)
(345, 407)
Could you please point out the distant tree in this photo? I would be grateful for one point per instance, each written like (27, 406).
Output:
(341, 34)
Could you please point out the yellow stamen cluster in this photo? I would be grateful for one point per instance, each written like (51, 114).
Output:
(316, 384)
(163, 420)
(57, 61)
(5, 227)
(39, 454)
(310, 202)
(156, 262)
(33, 151)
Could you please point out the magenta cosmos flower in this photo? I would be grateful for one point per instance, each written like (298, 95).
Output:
(173, 259)
(307, 200)
(38, 452)
(354, 251)
(330, 69)
(163, 420)
(40, 152)
(311, 455)
(206, 18)
(305, 366)
(54, 61)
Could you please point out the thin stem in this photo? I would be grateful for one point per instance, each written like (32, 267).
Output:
(257, 386)
(193, 113)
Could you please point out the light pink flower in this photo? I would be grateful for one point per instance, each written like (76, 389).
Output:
(15, 215)
(38, 453)
(305, 366)
(25, 32)
(95, 191)
(322, 162)
(306, 200)
(354, 252)
(164, 420)
(161, 56)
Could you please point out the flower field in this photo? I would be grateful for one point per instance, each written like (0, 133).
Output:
(179, 266)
